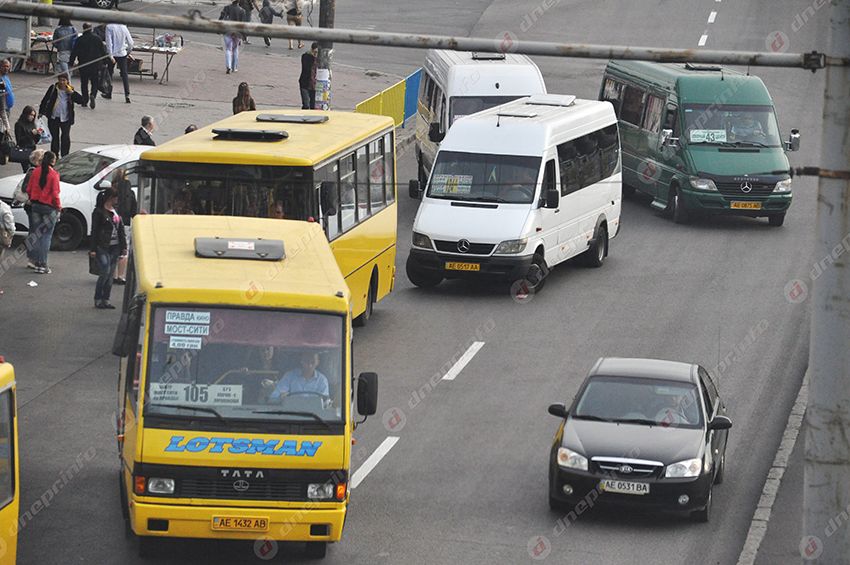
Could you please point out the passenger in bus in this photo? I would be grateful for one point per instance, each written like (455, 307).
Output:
(180, 204)
(305, 379)
(278, 210)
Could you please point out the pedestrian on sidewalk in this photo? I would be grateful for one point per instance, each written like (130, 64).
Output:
(27, 134)
(119, 44)
(294, 17)
(267, 14)
(43, 190)
(143, 134)
(22, 196)
(90, 53)
(232, 13)
(7, 230)
(64, 38)
(307, 80)
(9, 98)
(58, 106)
(127, 207)
(243, 101)
(108, 244)
(248, 6)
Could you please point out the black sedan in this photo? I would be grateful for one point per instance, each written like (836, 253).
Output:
(640, 432)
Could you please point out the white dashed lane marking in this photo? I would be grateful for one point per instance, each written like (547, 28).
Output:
(703, 39)
(463, 361)
(711, 17)
(373, 461)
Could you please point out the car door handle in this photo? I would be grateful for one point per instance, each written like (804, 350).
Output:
(557, 210)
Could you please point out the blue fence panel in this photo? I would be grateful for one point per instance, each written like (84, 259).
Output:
(411, 94)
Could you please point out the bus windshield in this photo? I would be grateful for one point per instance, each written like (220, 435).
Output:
(482, 177)
(240, 364)
(257, 191)
(465, 105)
(731, 125)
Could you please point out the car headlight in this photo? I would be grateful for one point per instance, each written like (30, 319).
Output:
(320, 491)
(511, 247)
(160, 486)
(703, 184)
(421, 240)
(783, 186)
(569, 459)
(682, 469)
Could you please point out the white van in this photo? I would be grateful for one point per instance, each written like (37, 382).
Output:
(458, 83)
(517, 189)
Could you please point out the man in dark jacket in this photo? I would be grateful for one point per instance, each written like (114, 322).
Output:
(90, 51)
(307, 80)
(143, 135)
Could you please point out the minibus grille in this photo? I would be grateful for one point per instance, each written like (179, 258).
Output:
(474, 248)
(255, 490)
(734, 189)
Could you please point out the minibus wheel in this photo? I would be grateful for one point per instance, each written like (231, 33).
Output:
(677, 209)
(316, 549)
(595, 254)
(776, 220)
(536, 276)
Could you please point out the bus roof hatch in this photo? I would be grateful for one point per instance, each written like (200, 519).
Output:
(292, 118)
(242, 248)
(233, 134)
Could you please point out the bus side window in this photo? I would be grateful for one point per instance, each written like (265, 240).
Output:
(7, 448)
(347, 199)
(389, 167)
(330, 221)
(134, 364)
(376, 175)
(362, 176)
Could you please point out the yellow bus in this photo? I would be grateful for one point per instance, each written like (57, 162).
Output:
(235, 387)
(335, 168)
(9, 468)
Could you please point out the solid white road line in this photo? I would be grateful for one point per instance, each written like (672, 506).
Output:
(761, 517)
(711, 17)
(372, 461)
(703, 39)
(463, 361)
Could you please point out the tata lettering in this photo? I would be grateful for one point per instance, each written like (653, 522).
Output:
(199, 444)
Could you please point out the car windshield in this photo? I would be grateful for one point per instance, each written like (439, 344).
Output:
(245, 364)
(80, 166)
(643, 401)
(731, 125)
(465, 105)
(483, 177)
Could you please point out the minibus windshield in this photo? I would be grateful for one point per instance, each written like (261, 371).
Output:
(731, 125)
(240, 364)
(465, 105)
(480, 177)
(255, 191)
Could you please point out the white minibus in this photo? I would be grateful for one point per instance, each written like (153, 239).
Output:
(459, 83)
(517, 189)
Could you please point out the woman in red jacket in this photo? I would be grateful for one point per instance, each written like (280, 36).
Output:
(43, 190)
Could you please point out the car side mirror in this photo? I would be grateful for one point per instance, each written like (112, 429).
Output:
(793, 143)
(434, 132)
(559, 410)
(553, 198)
(367, 394)
(415, 189)
(103, 184)
(329, 198)
(667, 139)
(720, 423)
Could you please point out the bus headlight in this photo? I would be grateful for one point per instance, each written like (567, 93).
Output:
(157, 485)
(783, 186)
(703, 184)
(421, 240)
(320, 491)
(511, 247)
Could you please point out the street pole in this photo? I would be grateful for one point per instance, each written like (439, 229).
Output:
(327, 8)
(826, 495)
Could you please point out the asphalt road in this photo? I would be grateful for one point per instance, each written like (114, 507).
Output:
(466, 480)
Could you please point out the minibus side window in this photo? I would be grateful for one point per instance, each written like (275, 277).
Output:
(363, 210)
(654, 109)
(608, 150)
(549, 180)
(632, 109)
(389, 171)
(569, 167)
(670, 119)
(376, 174)
(612, 92)
(7, 448)
(590, 170)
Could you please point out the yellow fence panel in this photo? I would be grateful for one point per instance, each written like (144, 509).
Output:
(389, 102)
(370, 105)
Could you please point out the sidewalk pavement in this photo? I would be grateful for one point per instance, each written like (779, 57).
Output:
(198, 91)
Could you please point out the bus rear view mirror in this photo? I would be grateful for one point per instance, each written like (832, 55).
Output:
(367, 394)
(415, 189)
(552, 198)
(793, 143)
(434, 133)
(128, 327)
(329, 198)
(667, 139)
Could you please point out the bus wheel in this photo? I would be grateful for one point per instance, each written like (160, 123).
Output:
(595, 254)
(364, 318)
(677, 209)
(776, 220)
(316, 549)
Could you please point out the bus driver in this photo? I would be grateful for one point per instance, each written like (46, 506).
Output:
(304, 379)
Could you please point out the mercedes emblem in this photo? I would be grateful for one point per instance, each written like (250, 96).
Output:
(746, 187)
(463, 245)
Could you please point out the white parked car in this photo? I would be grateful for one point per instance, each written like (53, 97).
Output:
(79, 173)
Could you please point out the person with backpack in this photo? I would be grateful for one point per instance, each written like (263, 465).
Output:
(43, 190)
(232, 13)
(267, 14)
